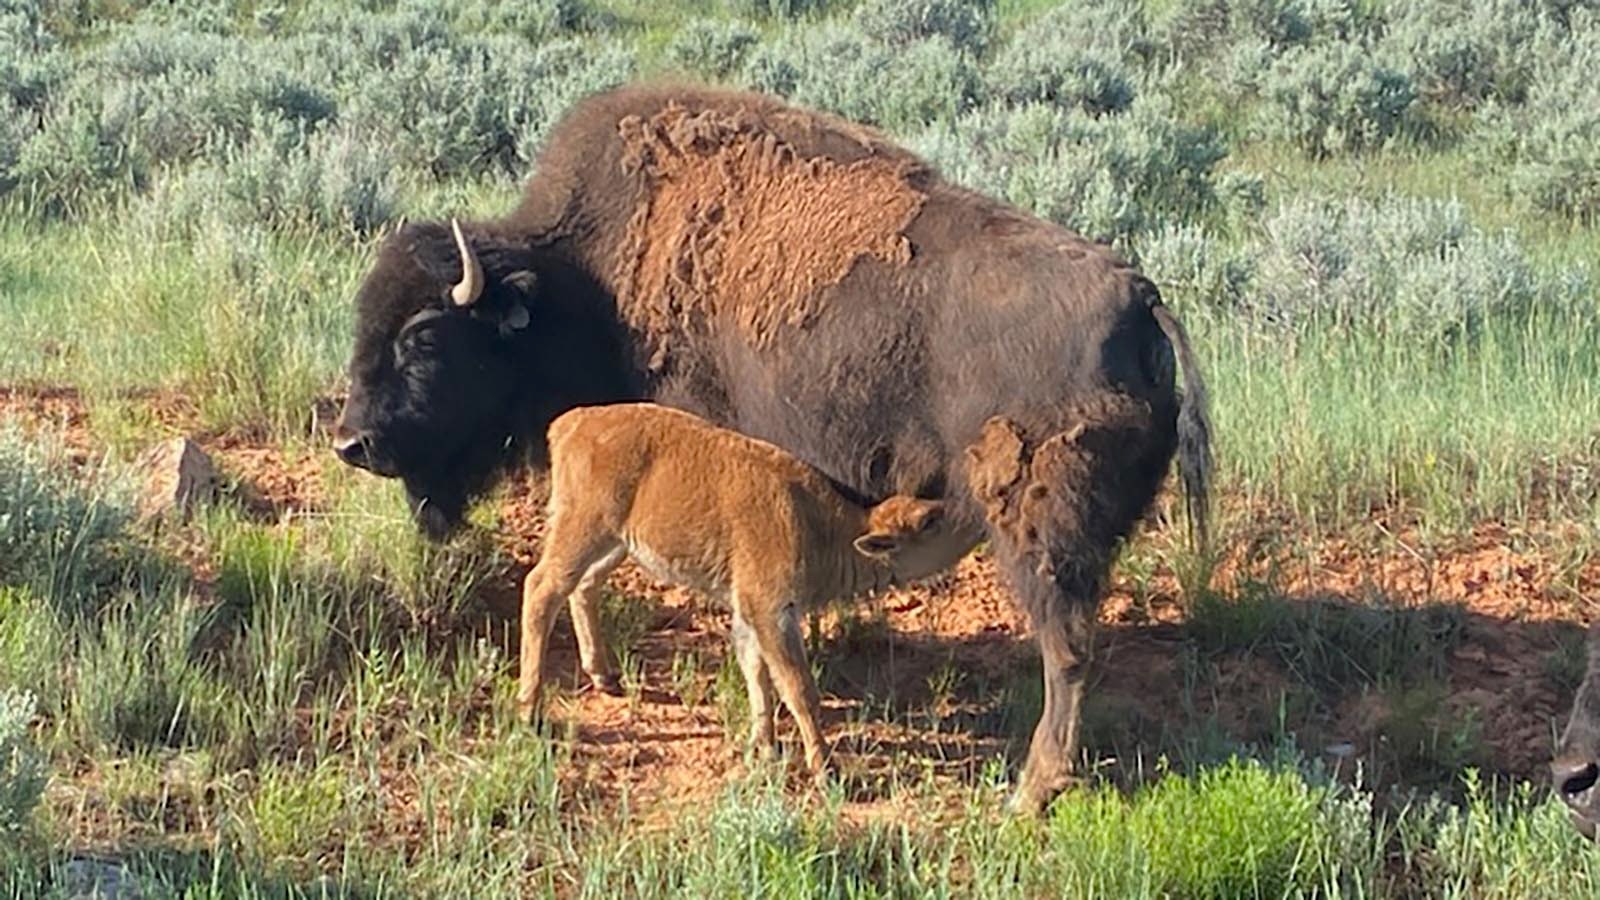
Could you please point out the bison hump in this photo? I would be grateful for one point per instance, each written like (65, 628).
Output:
(737, 227)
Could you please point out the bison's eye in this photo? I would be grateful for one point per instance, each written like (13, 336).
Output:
(413, 343)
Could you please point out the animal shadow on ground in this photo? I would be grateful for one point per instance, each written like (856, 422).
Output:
(1397, 691)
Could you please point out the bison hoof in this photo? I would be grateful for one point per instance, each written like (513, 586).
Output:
(607, 684)
(1034, 795)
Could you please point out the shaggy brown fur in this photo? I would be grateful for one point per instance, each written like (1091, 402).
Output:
(714, 510)
(732, 220)
(737, 257)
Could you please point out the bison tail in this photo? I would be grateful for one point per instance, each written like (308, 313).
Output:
(1194, 429)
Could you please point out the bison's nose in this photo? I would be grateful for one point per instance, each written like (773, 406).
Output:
(1574, 778)
(353, 450)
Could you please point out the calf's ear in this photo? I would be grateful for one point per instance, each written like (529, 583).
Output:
(876, 544)
(929, 514)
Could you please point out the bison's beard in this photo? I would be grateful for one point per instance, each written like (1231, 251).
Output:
(440, 496)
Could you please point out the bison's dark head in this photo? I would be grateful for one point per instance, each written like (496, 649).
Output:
(466, 346)
(1576, 768)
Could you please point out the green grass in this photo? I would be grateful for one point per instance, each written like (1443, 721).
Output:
(323, 706)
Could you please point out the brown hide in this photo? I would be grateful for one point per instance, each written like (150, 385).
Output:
(739, 226)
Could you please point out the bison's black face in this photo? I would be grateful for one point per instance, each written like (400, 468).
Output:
(434, 375)
(1576, 768)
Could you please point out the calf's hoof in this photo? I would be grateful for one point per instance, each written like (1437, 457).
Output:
(528, 711)
(606, 683)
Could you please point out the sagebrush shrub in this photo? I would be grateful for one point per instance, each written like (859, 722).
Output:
(1192, 266)
(533, 20)
(1416, 268)
(1552, 141)
(1079, 55)
(967, 24)
(73, 158)
(16, 128)
(712, 47)
(31, 62)
(1109, 177)
(1334, 97)
(1461, 53)
(784, 9)
(838, 69)
(450, 109)
(1288, 23)
(22, 772)
(286, 178)
(557, 75)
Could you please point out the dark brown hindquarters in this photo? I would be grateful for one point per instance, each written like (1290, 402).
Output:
(1056, 506)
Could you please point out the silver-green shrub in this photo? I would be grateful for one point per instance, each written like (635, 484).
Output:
(715, 48)
(533, 20)
(22, 772)
(779, 9)
(284, 177)
(74, 157)
(1077, 56)
(557, 75)
(1334, 97)
(967, 24)
(1192, 266)
(838, 69)
(1462, 52)
(1110, 177)
(31, 61)
(1551, 142)
(1417, 268)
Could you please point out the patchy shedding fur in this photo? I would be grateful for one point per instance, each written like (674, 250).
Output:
(738, 225)
(1021, 484)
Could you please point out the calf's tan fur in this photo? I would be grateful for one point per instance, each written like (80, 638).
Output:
(722, 513)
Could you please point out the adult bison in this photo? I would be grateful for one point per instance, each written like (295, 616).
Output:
(798, 278)
(1575, 771)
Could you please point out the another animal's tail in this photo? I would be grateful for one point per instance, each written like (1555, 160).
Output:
(1194, 429)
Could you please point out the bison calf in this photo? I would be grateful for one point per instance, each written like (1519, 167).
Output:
(722, 513)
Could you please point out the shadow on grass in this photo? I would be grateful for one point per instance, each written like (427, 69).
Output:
(1411, 695)
(147, 872)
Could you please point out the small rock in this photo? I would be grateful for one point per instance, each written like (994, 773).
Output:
(93, 879)
(176, 475)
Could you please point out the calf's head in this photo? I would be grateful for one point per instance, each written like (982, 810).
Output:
(907, 535)
(1575, 771)
(434, 375)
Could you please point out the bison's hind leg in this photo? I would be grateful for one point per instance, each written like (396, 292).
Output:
(1056, 506)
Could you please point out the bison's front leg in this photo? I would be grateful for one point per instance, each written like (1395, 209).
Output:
(1055, 510)
(1065, 633)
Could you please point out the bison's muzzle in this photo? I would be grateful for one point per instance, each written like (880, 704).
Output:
(1574, 781)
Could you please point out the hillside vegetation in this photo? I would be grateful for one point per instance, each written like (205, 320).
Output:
(1379, 220)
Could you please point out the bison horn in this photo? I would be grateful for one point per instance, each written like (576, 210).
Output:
(470, 287)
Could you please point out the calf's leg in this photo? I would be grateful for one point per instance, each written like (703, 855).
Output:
(571, 554)
(757, 683)
(783, 649)
(584, 605)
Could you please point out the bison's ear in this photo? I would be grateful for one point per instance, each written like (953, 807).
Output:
(523, 280)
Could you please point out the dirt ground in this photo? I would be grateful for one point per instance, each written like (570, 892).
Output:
(932, 683)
